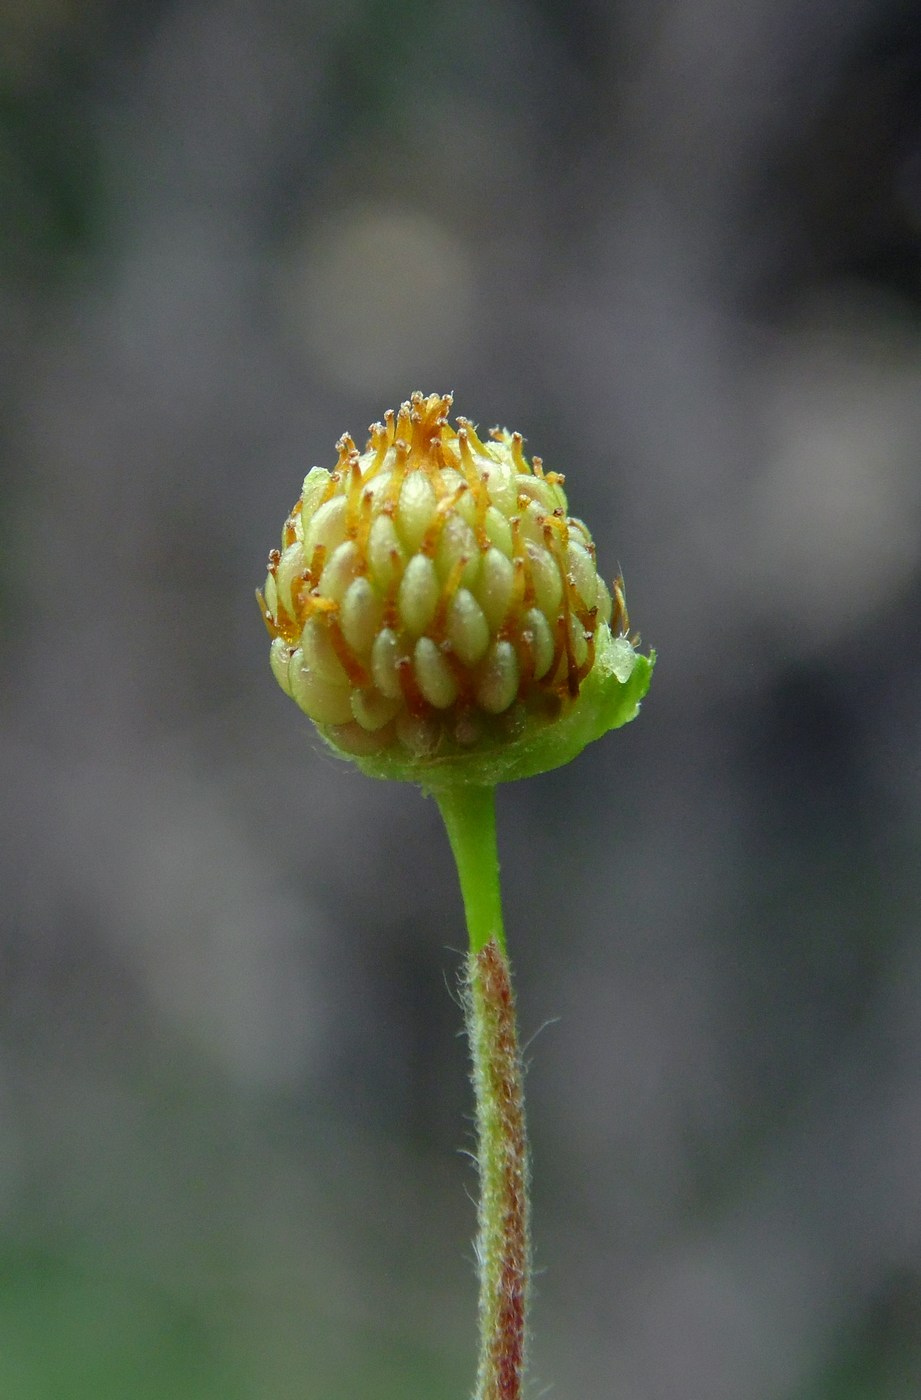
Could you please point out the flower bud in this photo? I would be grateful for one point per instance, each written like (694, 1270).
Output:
(438, 613)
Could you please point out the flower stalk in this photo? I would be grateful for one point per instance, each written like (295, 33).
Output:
(503, 1245)
(439, 615)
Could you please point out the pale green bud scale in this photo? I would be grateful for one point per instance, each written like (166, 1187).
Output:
(373, 710)
(497, 583)
(386, 555)
(323, 702)
(498, 530)
(418, 595)
(315, 491)
(536, 631)
(360, 615)
(457, 550)
(545, 575)
(433, 674)
(341, 567)
(320, 653)
(279, 659)
(498, 683)
(385, 653)
(327, 527)
(416, 508)
(468, 630)
(582, 573)
(288, 574)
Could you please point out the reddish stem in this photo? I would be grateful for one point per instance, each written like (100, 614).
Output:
(503, 1243)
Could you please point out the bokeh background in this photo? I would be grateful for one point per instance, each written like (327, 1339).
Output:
(678, 244)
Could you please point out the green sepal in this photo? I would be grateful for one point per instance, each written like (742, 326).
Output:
(609, 697)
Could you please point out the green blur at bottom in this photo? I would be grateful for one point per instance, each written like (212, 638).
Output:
(73, 1329)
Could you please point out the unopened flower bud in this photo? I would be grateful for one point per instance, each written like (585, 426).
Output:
(438, 613)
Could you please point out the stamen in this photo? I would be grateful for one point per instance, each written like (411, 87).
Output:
(449, 588)
(416, 702)
(350, 664)
(472, 435)
(345, 447)
(442, 511)
(353, 497)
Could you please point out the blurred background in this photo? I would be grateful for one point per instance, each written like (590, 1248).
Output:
(677, 244)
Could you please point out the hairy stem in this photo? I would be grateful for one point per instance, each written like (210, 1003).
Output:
(502, 1154)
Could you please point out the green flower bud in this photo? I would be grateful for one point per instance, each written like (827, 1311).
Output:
(439, 615)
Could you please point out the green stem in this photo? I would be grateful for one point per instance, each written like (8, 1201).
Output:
(469, 815)
(502, 1250)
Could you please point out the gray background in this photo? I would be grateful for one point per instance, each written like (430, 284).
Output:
(677, 245)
